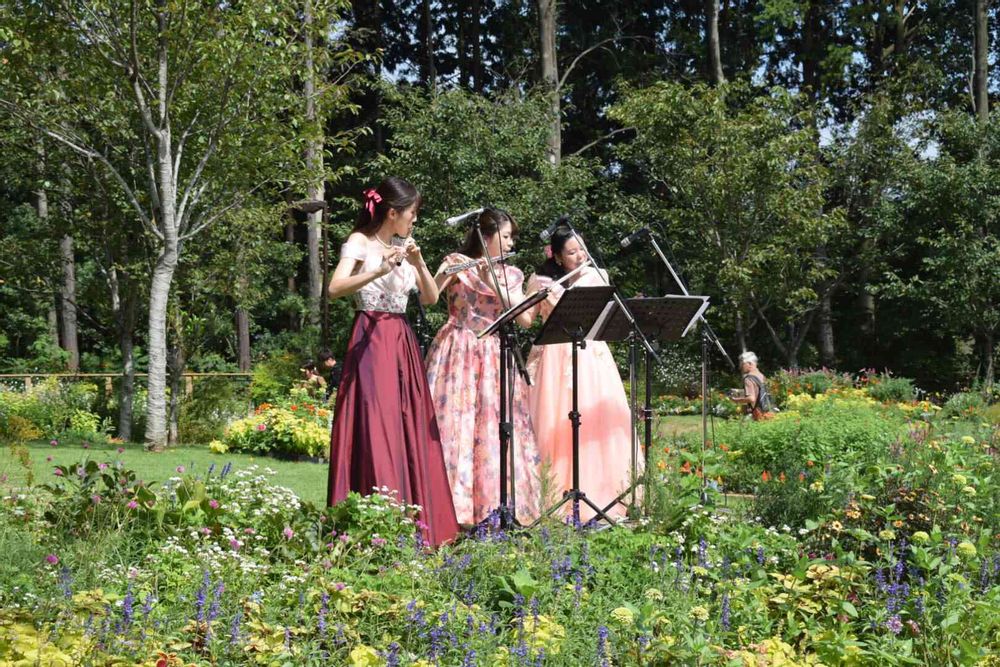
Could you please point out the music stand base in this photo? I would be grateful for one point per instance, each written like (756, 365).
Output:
(577, 497)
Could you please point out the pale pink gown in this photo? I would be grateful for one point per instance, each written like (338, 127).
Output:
(605, 419)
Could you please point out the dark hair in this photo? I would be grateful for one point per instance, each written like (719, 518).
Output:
(490, 222)
(394, 193)
(308, 366)
(323, 355)
(549, 268)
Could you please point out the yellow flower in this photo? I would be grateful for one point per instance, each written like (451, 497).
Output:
(623, 615)
(654, 594)
(969, 490)
(959, 479)
(364, 656)
(887, 534)
(816, 486)
(968, 440)
(966, 549)
(700, 613)
(836, 526)
(218, 447)
(544, 634)
(920, 537)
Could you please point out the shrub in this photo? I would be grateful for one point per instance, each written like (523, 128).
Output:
(215, 402)
(789, 382)
(963, 404)
(274, 377)
(293, 431)
(50, 407)
(888, 389)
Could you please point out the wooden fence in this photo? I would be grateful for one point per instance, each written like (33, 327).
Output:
(28, 378)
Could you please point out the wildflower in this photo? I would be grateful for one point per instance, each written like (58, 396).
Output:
(52, 559)
(894, 624)
(53, 443)
(969, 490)
(724, 620)
(102, 466)
(213, 503)
(58, 472)
(180, 470)
(121, 450)
(263, 427)
(765, 476)
(700, 613)
(920, 537)
(816, 486)
(623, 615)
(654, 594)
(288, 533)
(96, 499)
(836, 526)
(132, 504)
(968, 440)
(887, 534)
(234, 544)
(966, 549)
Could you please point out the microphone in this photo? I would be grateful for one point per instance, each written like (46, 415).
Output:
(459, 219)
(634, 237)
(547, 233)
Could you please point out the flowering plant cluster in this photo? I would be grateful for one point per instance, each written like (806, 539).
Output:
(293, 430)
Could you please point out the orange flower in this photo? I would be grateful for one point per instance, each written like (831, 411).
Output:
(723, 447)
(809, 464)
(802, 477)
(765, 476)
(666, 450)
(782, 476)
(686, 468)
(294, 408)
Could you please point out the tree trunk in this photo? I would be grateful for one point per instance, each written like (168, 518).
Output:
(475, 45)
(827, 352)
(461, 45)
(428, 70)
(987, 367)
(243, 331)
(126, 330)
(714, 49)
(550, 77)
(981, 43)
(69, 328)
(290, 240)
(314, 163)
(42, 212)
(741, 335)
(159, 294)
(175, 363)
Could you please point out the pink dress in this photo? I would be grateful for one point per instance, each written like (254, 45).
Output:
(464, 374)
(605, 418)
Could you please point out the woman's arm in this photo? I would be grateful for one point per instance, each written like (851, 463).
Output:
(345, 281)
(429, 291)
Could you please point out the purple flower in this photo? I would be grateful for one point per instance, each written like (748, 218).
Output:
(602, 645)
(58, 472)
(894, 624)
(96, 499)
(127, 604)
(725, 612)
(234, 628)
(213, 503)
(378, 541)
(132, 504)
(52, 559)
(180, 470)
(288, 533)
(53, 443)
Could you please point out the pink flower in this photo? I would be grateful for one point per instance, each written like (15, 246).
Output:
(86, 445)
(53, 443)
(234, 544)
(80, 472)
(378, 541)
(121, 450)
(96, 499)
(102, 466)
(344, 537)
(261, 427)
(213, 503)
(48, 459)
(58, 472)
(206, 531)
(339, 586)
(326, 565)
(180, 470)
(132, 504)
(249, 531)
(52, 559)
(288, 533)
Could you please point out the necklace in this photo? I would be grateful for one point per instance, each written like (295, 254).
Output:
(379, 239)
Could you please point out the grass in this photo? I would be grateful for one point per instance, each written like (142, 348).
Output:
(307, 480)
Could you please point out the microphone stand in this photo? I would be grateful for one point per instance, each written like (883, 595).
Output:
(510, 360)
(635, 336)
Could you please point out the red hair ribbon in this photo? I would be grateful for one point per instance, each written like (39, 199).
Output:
(371, 198)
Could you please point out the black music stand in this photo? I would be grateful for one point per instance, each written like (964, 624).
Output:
(662, 319)
(503, 326)
(579, 316)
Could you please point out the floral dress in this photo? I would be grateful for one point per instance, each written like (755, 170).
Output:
(464, 375)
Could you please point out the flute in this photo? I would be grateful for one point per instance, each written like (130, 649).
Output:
(455, 268)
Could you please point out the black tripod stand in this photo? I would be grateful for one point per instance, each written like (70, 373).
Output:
(580, 316)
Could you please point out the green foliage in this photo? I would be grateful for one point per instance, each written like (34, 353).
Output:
(298, 429)
(50, 407)
(787, 382)
(886, 388)
(274, 377)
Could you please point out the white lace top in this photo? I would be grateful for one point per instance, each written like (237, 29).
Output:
(388, 293)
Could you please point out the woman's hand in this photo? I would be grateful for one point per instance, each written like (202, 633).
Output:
(412, 252)
(391, 258)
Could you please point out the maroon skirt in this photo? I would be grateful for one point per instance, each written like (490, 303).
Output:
(384, 429)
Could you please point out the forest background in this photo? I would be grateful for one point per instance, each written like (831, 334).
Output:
(827, 172)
